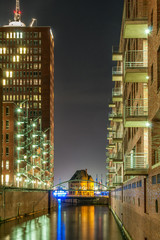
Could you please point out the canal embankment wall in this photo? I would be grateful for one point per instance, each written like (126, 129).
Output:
(16, 203)
(135, 206)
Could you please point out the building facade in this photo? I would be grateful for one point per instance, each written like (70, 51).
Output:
(27, 152)
(27, 63)
(81, 183)
(133, 159)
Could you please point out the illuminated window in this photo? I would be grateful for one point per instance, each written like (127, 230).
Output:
(39, 89)
(4, 50)
(35, 81)
(24, 50)
(4, 82)
(35, 97)
(10, 97)
(0, 50)
(2, 179)
(17, 97)
(7, 165)
(21, 50)
(4, 98)
(2, 164)
(14, 35)
(39, 97)
(21, 35)
(10, 34)
(7, 178)
(7, 36)
(35, 66)
(17, 34)
(14, 97)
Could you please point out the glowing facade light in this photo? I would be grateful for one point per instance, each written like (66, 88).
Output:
(34, 125)
(18, 110)
(148, 124)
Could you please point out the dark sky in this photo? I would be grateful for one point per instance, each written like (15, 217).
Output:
(84, 32)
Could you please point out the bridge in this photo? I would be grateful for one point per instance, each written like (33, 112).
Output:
(79, 189)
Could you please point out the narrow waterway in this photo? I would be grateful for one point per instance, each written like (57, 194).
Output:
(65, 223)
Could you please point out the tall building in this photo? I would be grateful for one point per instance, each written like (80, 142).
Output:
(27, 62)
(133, 150)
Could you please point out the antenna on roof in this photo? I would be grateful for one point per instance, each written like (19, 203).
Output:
(17, 12)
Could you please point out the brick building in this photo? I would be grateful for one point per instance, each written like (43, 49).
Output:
(27, 62)
(27, 153)
(81, 183)
(133, 150)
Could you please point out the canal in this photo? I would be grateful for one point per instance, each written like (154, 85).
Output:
(65, 223)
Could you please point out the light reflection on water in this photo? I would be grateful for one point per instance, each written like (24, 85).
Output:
(67, 223)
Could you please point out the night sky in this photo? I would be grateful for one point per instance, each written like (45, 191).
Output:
(84, 33)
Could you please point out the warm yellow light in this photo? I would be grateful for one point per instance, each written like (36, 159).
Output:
(4, 82)
(7, 74)
(0, 50)
(21, 50)
(4, 50)
(11, 74)
(7, 35)
(14, 58)
(10, 34)
(17, 58)
(24, 50)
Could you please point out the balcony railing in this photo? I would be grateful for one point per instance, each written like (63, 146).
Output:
(136, 164)
(117, 70)
(116, 157)
(116, 92)
(117, 180)
(136, 59)
(116, 54)
(136, 111)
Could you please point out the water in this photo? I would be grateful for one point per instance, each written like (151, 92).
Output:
(66, 223)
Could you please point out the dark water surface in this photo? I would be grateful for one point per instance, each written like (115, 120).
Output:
(67, 223)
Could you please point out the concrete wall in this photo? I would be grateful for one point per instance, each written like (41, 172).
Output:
(15, 203)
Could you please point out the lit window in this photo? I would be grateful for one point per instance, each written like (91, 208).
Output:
(2, 164)
(21, 50)
(14, 35)
(24, 50)
(10, 34)
(7, 165)
(4, 50)
(7, 36)
(4, 82)
(0, 50)
(14, 58)
(17, 34)
(21, 35)
(7, 178)
(2, 179)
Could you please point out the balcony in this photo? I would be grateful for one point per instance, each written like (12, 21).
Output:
(137, 116)
(116, 158)
(109, 136)
(115, 117)
(136, 164)
(117, 137)
(112, 105)
(111, 170)
(117, 55)
(136, 66)
(117, 74)
(135, 22)
(117, 95)
(117, 180)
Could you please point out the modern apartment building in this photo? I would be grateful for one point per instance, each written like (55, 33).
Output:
(27, 62)
(133, 151)
(27, 156)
